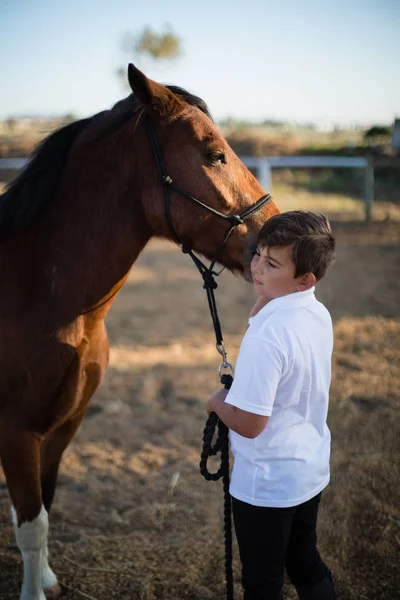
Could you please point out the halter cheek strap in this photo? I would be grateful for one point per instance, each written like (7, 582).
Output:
(207, 273)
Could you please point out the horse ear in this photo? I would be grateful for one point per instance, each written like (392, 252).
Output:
(154, 96)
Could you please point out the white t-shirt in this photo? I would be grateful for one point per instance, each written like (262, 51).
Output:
(283, 371)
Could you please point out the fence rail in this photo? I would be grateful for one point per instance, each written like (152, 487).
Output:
(265, 164)
(12, 163)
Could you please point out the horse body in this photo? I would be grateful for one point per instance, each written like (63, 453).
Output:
(62, 268)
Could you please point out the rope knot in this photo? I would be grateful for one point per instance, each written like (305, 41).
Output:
(209, 281)
(227, 380)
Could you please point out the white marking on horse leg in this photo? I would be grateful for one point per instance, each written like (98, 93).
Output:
(50, 584)
(48, 577)
(31, 538)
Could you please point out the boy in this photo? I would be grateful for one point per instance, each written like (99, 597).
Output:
(276, 411)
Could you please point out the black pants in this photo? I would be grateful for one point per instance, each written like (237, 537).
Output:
(271, 539)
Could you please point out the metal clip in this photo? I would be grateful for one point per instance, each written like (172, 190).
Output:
(221, 349)
(224, 365)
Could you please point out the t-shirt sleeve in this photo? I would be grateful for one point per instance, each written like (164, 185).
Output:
(259, 368)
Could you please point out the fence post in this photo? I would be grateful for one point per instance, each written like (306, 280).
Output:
(264, 174)
(369, 188)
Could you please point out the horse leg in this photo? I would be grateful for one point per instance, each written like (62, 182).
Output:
(51, 453)
(20, 456)
(25, 472)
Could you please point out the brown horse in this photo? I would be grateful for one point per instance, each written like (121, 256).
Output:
(71, 227)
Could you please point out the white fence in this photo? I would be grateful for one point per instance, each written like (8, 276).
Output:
(12, 163)
(265, 164)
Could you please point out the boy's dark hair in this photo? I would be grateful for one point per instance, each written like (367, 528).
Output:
(308, 233)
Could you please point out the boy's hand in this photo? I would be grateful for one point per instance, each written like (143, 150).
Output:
(220, 394)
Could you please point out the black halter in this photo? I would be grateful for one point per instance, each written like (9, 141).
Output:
(207, 273)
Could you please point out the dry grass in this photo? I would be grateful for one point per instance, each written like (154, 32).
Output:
(339, 206)
(134, 520)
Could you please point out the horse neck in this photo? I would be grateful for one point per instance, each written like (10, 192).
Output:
(85, 245)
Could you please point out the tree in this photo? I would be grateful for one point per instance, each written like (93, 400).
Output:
(163, 46)
(376, 131)
(148, 44)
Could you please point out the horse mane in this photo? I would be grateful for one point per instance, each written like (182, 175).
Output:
(191, 99)
(30, 191)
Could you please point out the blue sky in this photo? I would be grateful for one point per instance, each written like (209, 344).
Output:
(307, 60)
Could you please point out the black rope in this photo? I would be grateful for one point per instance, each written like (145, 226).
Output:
(221, 446)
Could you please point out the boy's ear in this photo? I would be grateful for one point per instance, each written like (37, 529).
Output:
(305, 282)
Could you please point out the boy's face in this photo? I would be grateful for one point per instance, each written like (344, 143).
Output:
(273, 272)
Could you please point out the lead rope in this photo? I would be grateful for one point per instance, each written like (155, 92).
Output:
(222, 442)
(222, 446)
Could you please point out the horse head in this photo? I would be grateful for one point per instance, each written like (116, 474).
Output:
(199, 161)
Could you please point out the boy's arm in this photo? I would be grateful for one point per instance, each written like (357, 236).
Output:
(244, 423)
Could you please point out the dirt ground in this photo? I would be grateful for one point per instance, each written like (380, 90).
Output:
(133, 519)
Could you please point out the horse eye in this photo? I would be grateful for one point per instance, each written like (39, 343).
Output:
(216, 157)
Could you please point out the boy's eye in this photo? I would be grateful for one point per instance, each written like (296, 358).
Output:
(271, 264)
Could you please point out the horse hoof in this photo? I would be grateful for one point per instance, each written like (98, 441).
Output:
(53, 592)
